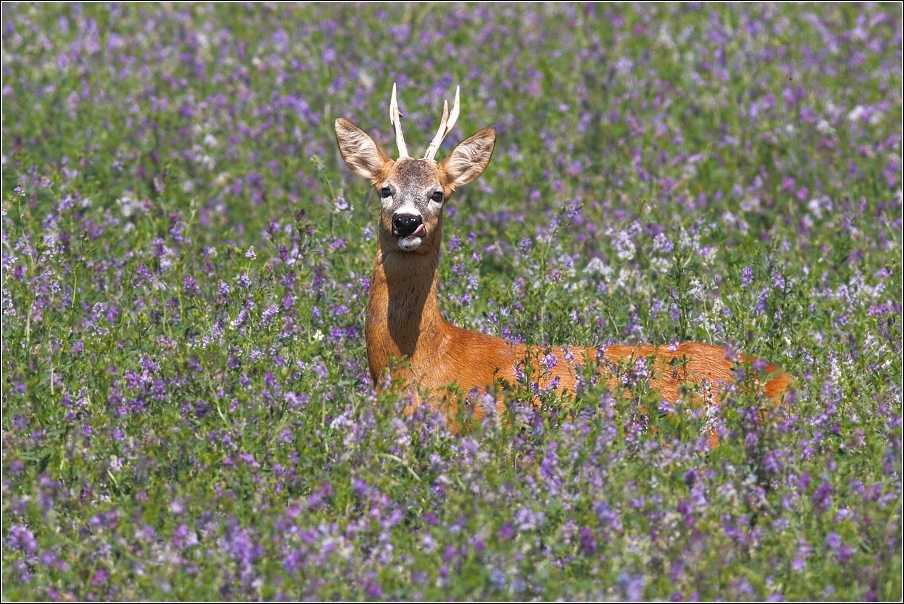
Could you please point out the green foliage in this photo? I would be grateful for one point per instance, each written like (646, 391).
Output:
(187, 407)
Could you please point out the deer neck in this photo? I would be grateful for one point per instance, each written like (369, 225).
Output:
(403, 320)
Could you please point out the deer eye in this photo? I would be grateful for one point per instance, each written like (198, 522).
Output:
(437, 196)
(385, 192)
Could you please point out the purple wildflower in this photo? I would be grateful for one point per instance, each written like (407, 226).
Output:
(746, 277)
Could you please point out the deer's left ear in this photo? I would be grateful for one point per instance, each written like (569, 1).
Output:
(469, 159)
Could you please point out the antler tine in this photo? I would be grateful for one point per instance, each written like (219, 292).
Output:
(445, 126)
(397, 123)
(454, 115)
(440, 134)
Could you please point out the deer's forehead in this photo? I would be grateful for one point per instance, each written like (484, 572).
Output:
(415, 174)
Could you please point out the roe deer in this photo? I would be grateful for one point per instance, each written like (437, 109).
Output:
(403, 321)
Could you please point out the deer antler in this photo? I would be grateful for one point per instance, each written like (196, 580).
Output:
(397, 124)
(445, 125)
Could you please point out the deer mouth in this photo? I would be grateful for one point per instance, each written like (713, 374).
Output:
(409, 243)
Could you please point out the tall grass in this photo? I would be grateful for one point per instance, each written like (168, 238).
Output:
(187, 412)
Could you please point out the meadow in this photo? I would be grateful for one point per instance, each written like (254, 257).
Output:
(187, 412)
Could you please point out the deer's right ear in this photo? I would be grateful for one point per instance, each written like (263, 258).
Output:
(361, 154)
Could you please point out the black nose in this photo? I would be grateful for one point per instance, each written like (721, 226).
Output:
(405, 224)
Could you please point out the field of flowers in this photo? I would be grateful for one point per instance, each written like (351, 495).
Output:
(187, 412)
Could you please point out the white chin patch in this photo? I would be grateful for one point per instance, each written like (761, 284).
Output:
(409, 244)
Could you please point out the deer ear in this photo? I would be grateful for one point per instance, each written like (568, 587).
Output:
(469, 159)
(361, 154)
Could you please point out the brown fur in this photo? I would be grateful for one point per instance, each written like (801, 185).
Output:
(404, 322)
(407, 336)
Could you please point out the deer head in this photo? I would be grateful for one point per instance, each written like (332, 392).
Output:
(413, 191)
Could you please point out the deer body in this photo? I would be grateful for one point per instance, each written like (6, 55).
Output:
(404, 329)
